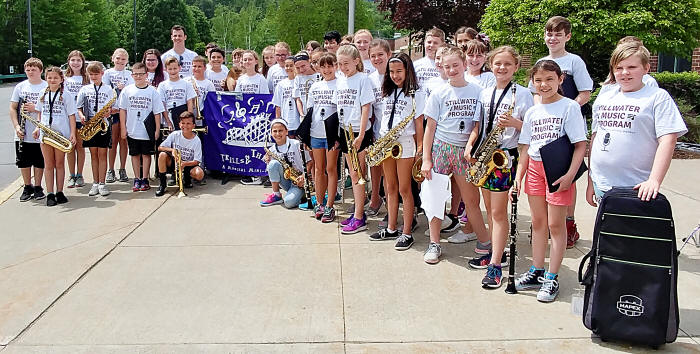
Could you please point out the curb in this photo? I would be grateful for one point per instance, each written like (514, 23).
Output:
(13, 187)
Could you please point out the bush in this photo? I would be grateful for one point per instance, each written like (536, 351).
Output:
(685, 85)
(520, 77)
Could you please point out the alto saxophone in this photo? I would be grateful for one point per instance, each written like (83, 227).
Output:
(488, 155)
(388, 146)
(290, 172)
(98, 123)
(179, 172)
(50, 136)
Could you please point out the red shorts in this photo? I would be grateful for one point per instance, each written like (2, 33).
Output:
(536, 184)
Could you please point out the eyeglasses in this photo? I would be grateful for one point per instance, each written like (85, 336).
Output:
(138, 74)
(281, 55)
(151, 59)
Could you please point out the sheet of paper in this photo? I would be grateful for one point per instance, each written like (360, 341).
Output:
(434, 194)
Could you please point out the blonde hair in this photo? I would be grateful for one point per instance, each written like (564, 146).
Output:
(255, 55)
(35, 62)
(453, 51)
(504, 49)
(475, 46)
(170, 60)
(95, 67)
(351, 51)
(121, 51)
(200, 59)
(625, 51)
(364, 31)
(436, 32)
(283, 45)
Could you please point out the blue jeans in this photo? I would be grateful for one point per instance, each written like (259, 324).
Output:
(319, 143)
(294, 193)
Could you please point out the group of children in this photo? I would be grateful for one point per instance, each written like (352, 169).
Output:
(355, 94)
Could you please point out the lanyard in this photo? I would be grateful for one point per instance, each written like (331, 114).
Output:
(285, 154)
(97, 95)
(492, 108)
(51, 101)
(393, 108)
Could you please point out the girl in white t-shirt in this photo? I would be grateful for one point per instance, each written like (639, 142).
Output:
(497, 101)
(476, 52)
(75, 78)
(118, 78)
(354, 98)
(56, 110)
(452, 111)
(269, 60)
(634, 131)
(362, 40)
(325, 157)
(401, 101)
(251, 81)
(555, 117)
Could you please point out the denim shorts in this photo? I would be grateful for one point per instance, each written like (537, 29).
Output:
(319, 143)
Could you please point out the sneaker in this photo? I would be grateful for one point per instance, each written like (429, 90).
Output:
(271, 199)
(529, 280)
(461, 237)
(111, 178)
(71, 182)
(338, 197)
(453, 224)
(461, 210)
(94, 190)
(572, 234)
(348, 182)
(484, 261)
(549, 290)
(160, 191)
(328, 215)
(355, 226)
(145, 185)
(122, 175)
(383, 234)
(318, 212)
(251, 181)
(463, 219)
(137, 185)
(432, 254)
(374, 211)
(27, 193)
(102, 188)
(385, 222)
(50, 200)
(61, 198)
(308, 205)
(39, 193)
(482, 248)
(404, 242)
(492, 279)
(414, 225)
(79, 181)
(348, 220)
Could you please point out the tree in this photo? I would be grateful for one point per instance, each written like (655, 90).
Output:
(202, 27)
(101, 38)
(420, 16)
(671, 27)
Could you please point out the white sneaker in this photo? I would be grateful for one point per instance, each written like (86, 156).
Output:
(461, 237)
(432, 255)
(103, 190)
(95, 190)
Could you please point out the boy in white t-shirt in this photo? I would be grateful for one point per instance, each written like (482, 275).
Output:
(136, 103)
(425, 67)
(177, 95)
(202, 86)
(304, 78)
(635, 129)
(216, 71)
(283, 99)
(183, 55)
(27, 149)
(118, 78)
(277, 72)
(190, 148)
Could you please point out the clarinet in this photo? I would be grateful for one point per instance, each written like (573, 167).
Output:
(22, 122)
(510, 289)
(307, 182)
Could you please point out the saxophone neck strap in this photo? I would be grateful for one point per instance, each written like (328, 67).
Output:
(51, 102)
(393, 108)
(97, 95)
(493, 108)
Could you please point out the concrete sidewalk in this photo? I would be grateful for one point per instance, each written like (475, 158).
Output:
(214, 272)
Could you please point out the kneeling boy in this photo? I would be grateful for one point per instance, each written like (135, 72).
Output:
(190, 148)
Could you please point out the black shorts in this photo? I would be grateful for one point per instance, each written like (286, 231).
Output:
(140, 147)
(29, 156)
(100, 140)
(115, 118)
(78, 125)
(366, 141)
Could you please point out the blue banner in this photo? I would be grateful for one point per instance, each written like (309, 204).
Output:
(238, 125)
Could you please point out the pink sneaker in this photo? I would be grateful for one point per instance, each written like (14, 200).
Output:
(271, 199)
(355, 226)
(348, 220)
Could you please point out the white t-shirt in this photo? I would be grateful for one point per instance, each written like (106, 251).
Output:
(486, 79)
(216, 78)
(288, 106)
(321, 100)
(432, 84)
(350, 95)
(627, 127)
(368, 67)
(87, 98)
(456, 110)
(647, 80)
(523, 102)
(404, 107)
(291, 152)
(176, 93)
(185, 59)
(29, 93)
(252, 84)
(274, 76)
(73, 84)
(378, 105)
(223, 67)
(62, 108)
(190, 149)
(302, 84)
(139, 103)
(425, 70)
(113, 77)
(571, 65)
(545, 123)
(203, 87)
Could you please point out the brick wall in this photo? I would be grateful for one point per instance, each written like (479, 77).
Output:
(695, 61)
(654, 63)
